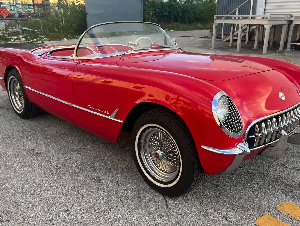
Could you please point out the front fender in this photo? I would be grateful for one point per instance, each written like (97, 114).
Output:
(191, 99)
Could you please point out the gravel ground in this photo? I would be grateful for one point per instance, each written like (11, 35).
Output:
(54, 173)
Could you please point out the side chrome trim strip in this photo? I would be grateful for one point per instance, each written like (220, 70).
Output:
(1, 78)
(111, 117)
(240, 149)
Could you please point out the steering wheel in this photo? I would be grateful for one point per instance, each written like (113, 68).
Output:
(140, 38)
(135, 44)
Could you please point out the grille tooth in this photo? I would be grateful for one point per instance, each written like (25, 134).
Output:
(274, 129)
(295, 114)
(264, 133)
(268, 129)
(256, 134)
(293, 120)
(296, 117)
(288, 122)
(292, 115)
(279, 122)
(284, 124)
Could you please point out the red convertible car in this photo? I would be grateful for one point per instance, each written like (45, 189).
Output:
(188, 113)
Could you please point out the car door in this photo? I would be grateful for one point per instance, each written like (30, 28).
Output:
(51, 85)
(96, 87)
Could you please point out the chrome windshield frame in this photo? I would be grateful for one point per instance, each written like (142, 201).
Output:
(75, 57)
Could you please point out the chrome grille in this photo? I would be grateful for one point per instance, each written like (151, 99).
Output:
(232, 121)
(268, 130)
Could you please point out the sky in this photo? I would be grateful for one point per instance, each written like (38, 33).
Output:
(38, 1)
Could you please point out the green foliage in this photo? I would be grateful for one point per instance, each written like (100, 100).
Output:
(180, 11)
(68, 20)
(71, 17)
(4, 38)
(65, 20)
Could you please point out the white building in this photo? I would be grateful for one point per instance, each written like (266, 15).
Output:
(267, 7)
(271, 21)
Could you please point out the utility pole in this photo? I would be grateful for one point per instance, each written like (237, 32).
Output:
(33, 6)
(16, 13)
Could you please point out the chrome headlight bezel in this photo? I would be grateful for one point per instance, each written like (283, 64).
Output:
(230, 122)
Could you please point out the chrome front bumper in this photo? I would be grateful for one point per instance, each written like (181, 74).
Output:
(240, 149)
(273, 151)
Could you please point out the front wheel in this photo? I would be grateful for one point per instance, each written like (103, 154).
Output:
(17, 96)
(165, 152)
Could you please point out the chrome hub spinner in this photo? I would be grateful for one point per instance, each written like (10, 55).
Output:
(158, 155)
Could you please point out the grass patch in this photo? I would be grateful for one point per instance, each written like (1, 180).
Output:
(185, 27)
(4, 38)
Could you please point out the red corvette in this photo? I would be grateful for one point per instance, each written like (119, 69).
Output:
(188, 113)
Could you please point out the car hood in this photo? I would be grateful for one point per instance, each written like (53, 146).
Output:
(258, 95)
(253, 87)
(205, 67)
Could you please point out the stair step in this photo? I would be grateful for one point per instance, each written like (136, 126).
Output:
(235, 34)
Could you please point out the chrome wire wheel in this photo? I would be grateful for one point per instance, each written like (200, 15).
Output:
(165, 153)
(16, 94)
(158, 155)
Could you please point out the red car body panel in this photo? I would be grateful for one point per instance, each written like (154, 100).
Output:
(186, 83)
(209, 68)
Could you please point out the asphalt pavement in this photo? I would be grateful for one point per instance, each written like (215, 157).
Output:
(54, 173)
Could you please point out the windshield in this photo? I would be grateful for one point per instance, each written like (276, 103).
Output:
(121, 37)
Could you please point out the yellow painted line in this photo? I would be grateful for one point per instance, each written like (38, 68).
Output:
(268, 220)
(290, 209)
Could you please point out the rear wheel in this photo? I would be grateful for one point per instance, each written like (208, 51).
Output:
(17, 96)
(165, 152)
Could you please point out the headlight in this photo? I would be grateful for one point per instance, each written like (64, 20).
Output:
(227, 115)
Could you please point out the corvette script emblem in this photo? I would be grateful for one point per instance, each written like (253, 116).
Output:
(281, 96)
